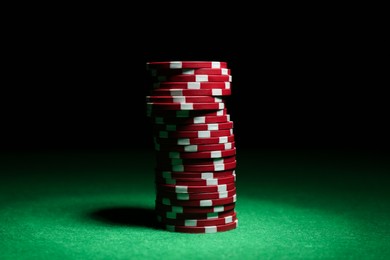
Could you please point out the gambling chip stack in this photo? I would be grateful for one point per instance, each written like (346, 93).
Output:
(194, 146)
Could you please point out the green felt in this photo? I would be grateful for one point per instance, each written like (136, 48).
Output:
(290, 205)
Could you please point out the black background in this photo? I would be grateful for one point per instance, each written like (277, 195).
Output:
(299, 81)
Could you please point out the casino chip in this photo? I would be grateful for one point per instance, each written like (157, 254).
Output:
(195, 152)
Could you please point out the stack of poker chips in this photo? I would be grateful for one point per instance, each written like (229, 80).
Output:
(194, 146)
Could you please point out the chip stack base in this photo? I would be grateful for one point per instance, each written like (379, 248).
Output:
(195, 148)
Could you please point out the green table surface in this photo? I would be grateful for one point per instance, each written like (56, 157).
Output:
(291, 204)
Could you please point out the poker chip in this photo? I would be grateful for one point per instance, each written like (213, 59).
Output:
(192, 85)
(196, 141)
(197, 210)
(185, 64)
(196, 203)
(198, 155)
(194, 148)
(184, 114)
(196, 181)
(185, 177)
(201, 168)
(195, 151)
(184, 99)
(198, 222)
(185, 106)
(164, 160)
(166, 120)
(193, 78)
(197, 196)
(195, 127)
(204, 229)
(214, 92)
(199, 216)
(194, 134)
(206, 71)
(197, 189)
(198, 175)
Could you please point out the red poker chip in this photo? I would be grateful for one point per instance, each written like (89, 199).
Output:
(199, 168)
(198, 155)
(194, 134)
(186, 64)
(196, 196)
(197, 203)
(184, 114)
(231, 177)
(192, 85)
(197, 182)
(198, 222)
(191, 92)
(203, 230)
(198, 216)
(185, 106)
(195, 127)
(163, 161)
(193, 78)
(198, 210)
(204, 71)
(199, 175)
(192, 189)
(194, 148)
(184, 99)
(197, 141)
(166, 120)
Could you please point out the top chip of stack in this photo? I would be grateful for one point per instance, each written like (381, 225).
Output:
(194, 145)
(186, 65)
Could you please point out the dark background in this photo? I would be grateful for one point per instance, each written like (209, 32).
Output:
(299, 81)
